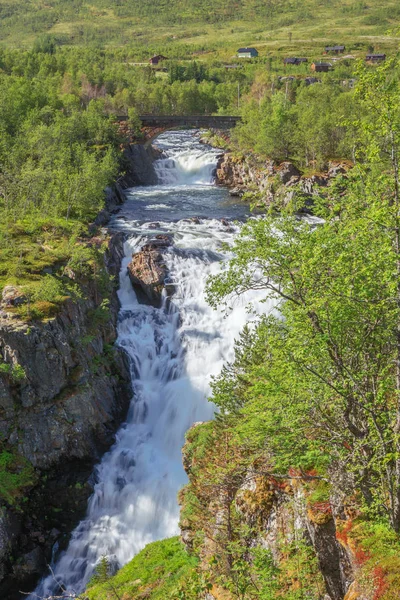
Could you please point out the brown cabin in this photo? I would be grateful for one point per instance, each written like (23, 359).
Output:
(375, 58)
(154, 60)
(321, 67)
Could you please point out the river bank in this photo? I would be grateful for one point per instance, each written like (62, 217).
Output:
(62, 415)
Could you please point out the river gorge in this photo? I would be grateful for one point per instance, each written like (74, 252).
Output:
(173, 352)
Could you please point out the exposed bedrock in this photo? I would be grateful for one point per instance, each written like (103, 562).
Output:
(277, 184)
(58, 418)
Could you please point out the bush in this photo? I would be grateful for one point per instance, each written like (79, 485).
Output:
(16, 474)
(49, 290)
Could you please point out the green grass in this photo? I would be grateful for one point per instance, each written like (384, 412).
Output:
(216, 28)
(158, 572)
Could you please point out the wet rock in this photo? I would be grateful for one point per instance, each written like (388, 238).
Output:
(9, 531)
(32, 563)
(147, 270)
(140, 160)
(102, 218)
(236, 192)
(287, 170)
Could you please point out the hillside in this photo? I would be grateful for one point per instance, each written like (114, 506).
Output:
(218, 27)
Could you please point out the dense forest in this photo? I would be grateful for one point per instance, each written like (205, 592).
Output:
(60, 145)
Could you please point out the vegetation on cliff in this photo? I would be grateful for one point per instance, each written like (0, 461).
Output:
(313, 394)
(162, 570)
(56, 158)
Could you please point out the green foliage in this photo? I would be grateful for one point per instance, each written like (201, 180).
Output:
(16, 474)
(162, 570)
(49, 289)
(102, 572)
(15, 371)
(321, 385)
(305, 126)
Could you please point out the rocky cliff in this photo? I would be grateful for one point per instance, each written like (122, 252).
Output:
(270, 183)
(64, 390)
(57, 417)
(277, 536)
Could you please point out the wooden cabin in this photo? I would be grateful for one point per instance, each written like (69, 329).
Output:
(294, 60)
(321, 67)
(334, 49)
(247, 53)
(375, 58)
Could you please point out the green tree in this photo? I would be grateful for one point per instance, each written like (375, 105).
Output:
(327, 390)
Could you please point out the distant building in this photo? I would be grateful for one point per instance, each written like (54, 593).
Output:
(232, 66)
(311, 80)
(374, 58)
(247, 53)
(294, 61)
(154, 60)
(321, 67)
(334, 49)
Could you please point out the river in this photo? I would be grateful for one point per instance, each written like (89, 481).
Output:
(173, 353)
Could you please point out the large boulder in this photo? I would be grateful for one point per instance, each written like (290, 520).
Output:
(12, 296)
(287, 170)
(148, 271)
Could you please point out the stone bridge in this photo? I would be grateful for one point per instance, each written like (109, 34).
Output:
(195, 121)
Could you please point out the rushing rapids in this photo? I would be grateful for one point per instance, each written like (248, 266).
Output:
(173, 352)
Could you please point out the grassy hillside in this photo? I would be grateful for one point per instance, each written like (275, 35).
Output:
(218, 26)
(161, 570)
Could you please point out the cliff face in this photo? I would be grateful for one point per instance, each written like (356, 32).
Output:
(64, 390)
(276, 536)
(272, 183)
(58, 417)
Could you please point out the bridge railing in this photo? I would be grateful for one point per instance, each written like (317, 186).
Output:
(213, 121)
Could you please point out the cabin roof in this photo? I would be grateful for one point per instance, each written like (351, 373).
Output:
(294, 60)
(334, 48)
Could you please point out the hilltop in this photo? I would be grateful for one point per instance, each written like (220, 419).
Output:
(216, 28)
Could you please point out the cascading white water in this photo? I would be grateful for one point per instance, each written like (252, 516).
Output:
(188, 163)
(173, 352)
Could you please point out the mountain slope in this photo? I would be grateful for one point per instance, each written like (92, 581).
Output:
(201, 23)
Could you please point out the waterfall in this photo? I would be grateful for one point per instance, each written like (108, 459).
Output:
(173, 352)
(188, 163)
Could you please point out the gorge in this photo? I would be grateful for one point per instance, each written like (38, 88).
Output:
(173, 351)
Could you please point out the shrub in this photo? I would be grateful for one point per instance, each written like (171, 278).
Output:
(16, 474)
